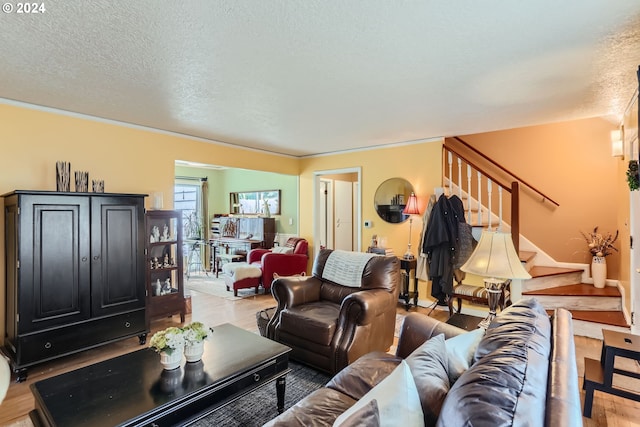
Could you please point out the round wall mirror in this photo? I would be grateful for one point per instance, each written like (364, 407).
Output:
(390, 199)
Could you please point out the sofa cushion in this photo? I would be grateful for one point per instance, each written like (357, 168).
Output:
(361, 376)
(366, 416)
(460, 351)
(428, 365)
(507, 385)
(397, 399)
(320, 408)
(316, 321)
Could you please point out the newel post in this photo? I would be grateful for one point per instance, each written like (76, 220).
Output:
(515, 215)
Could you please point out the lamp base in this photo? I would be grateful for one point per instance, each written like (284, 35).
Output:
(494, 290)
(408, 256)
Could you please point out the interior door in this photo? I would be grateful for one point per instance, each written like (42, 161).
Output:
(343, 208)
(325, 213)
(635, 260)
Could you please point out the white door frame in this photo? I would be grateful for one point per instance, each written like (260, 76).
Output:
(316, 205)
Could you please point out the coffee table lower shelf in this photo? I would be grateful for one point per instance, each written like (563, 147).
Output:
(134, 390)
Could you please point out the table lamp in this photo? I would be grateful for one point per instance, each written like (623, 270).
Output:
(496, 260)
(411, 208)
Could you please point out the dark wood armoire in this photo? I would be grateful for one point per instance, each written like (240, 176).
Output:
(75, 275)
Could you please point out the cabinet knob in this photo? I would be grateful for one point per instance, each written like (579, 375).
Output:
(256, 377)
(84, 259)
(47, 345)
(96, 257)
(127, 324)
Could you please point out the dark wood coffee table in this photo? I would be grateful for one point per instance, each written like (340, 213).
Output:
(464, 321)
(133, 389)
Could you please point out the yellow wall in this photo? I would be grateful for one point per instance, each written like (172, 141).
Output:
(420, 164)
(129, 160)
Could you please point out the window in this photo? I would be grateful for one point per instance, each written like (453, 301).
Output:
(187, 197)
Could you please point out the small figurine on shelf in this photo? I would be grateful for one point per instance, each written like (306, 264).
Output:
(155, 234)
(157, 288)
(166, 288)
(155, 263)
(165, 233)
(165, 261)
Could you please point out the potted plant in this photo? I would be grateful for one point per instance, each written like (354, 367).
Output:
(169, 343)
(194, 336)
(600, 246)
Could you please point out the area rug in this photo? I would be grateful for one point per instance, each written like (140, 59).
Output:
(259, 406)
(215, 286)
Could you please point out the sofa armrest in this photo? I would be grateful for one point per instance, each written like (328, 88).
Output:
(292, 291)
(255, 255)
(417, 328)
(372, 303)
(563, 394)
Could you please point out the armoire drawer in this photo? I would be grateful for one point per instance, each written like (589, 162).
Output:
(51, 343)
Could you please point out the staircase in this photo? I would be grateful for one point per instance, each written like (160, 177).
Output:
(555, 285)
(592, 308)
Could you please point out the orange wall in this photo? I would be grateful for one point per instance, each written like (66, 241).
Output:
(570, 162)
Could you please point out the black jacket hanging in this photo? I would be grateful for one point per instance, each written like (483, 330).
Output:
(440, 244)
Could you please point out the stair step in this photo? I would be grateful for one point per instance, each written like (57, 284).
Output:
(579, 289)
(526, 256)
(579, 296)
(613, 318)
(543, 278)
(541, 271)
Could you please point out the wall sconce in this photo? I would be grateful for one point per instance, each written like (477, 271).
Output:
(617, 146)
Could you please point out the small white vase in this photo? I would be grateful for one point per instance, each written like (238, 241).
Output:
(171, 361)
(194, 352)
(599, 271)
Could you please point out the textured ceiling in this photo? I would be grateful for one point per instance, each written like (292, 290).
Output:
(317, 76)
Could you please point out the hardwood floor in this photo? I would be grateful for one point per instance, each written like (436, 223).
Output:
(607, 410)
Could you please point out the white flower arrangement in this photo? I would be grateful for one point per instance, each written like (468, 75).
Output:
(195, 332)
(168, 340)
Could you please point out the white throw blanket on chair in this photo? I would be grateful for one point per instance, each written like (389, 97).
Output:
(346, 268)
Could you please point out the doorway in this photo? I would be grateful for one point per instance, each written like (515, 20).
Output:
(337, 209)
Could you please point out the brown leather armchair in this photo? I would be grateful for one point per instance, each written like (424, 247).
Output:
(329, 325)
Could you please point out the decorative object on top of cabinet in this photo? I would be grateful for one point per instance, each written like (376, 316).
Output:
(97, 185)
(63, 176)
(82, 181)
(74, 273)
(165, 292)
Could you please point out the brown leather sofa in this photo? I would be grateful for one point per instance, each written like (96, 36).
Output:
(524, 373)
(329, 325)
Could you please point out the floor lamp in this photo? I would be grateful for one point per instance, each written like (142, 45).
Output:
(495, 259)
(411, 208)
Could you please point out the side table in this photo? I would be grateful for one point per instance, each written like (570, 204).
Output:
(409, 265)
(598, 375)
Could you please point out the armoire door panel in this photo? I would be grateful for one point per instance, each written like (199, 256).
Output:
(54, 276)
(117, 274)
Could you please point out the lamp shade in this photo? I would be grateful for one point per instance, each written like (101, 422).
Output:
(495, 256)
(411, 208)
